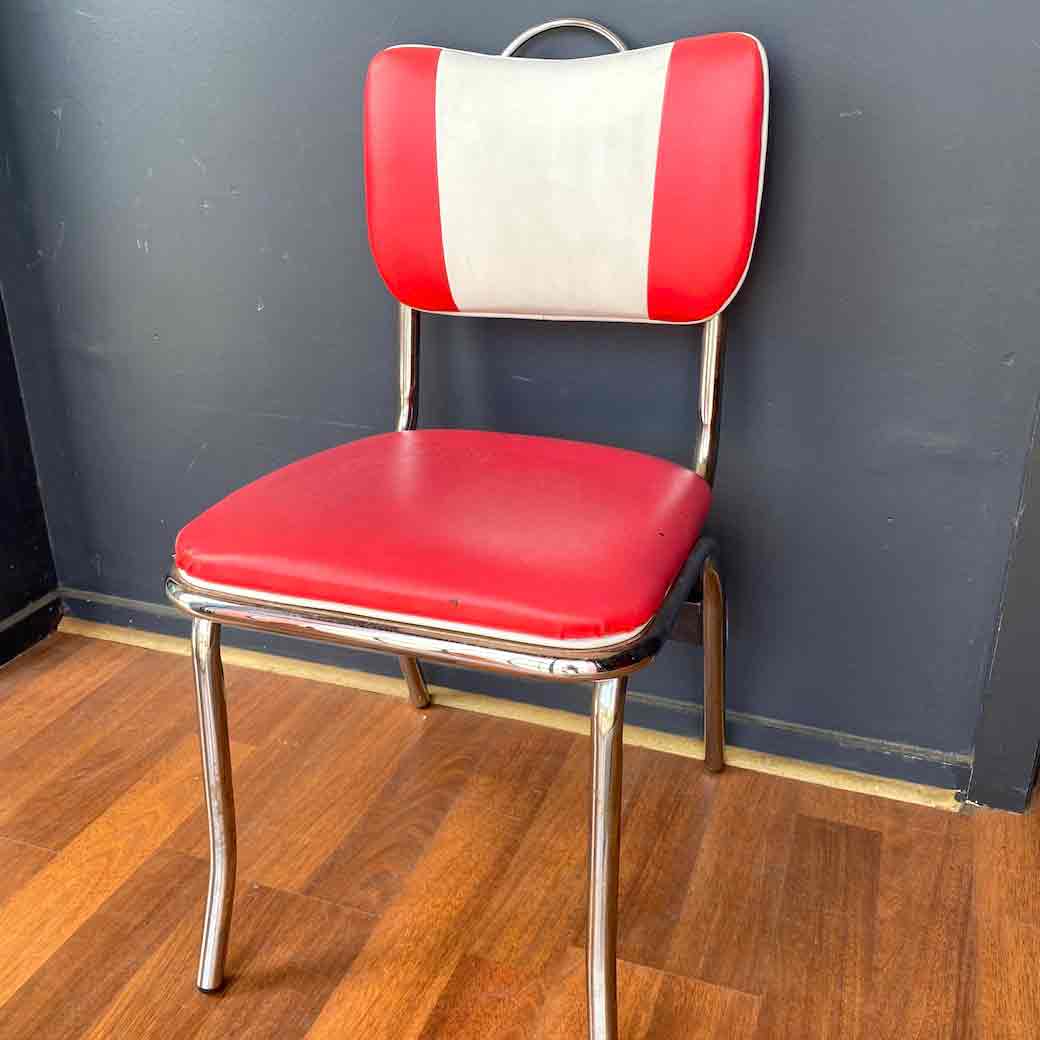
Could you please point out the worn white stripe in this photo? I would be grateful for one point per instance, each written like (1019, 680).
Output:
(546, 175)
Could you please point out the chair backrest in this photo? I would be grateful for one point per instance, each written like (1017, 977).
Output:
(624, 187)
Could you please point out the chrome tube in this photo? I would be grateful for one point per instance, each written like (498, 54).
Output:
(408, 367)
(713, 348)
(220, 802)
(413, 676)
(713, 615)
(408, 419)
(608, 714)
(565, 23)
(427, 642)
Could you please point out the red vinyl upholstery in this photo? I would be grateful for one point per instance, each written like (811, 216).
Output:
(532, 536)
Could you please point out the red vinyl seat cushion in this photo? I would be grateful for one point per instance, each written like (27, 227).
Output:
(528, 536)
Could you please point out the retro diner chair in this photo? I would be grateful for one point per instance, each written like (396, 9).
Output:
(618, 188)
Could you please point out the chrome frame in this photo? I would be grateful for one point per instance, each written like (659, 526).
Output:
(220, 802)
(408, 321)
(607, 668)
(411, 640)
(414, 680)
(564, 23)
(608, 718)
(709, 399)
(408, 367)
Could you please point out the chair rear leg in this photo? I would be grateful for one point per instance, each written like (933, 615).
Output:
(608, 711)
(413, 676)
(714, 639)
(220, 802)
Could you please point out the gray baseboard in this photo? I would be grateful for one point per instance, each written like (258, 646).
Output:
(758, 733)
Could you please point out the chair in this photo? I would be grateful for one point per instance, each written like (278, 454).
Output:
(619, 188)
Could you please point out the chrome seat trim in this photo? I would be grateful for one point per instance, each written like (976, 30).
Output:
(533, 660)
(459, 630)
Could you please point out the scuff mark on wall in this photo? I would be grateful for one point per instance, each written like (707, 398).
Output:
(195, 458)
(57, 113)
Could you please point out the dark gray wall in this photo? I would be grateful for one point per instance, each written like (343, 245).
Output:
(192, 303)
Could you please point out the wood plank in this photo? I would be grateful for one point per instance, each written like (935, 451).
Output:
(484, 999)
(300, 795)
(43, 659)
(90, 967)
(538, 903)
(696, 1010)
(663, 825)
(756, 906)
(822, 959)
(1006, 856)
(265, 708)
(55, 784)
(833, 867)
(564, 1014)
(818, 979)
(372, 863)
(30, 767)
(924, 963)
(41, 915)
(726, 927)
(73, 668)
(420, 939)
(1008, 995)
(924, 977)
(1006, 860)
(487, 999)
(666, 801)
(18, 863)
(287, 953)
(870, 811)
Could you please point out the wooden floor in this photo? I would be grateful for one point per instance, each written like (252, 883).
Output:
(409, 875)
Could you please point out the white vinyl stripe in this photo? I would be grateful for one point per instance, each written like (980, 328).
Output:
(546, 177)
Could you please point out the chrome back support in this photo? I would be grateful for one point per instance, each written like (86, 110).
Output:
(565, 23)
(713, 344)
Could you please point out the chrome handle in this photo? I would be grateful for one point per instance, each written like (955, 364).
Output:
(565, 23)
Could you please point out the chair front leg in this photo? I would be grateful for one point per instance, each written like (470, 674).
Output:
(608, 711)
(220, 802)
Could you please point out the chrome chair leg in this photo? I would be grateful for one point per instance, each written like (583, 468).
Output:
(608, 712)
(413, 676)
(220, 802)
(714, 640)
